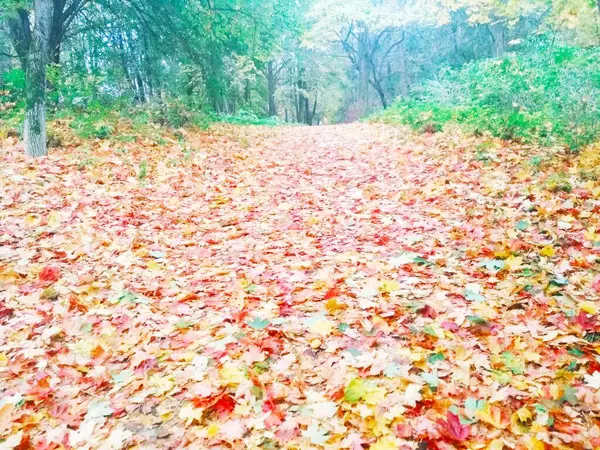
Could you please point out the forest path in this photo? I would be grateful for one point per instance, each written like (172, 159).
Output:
(333, 286)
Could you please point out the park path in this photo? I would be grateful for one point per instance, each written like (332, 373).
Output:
(342, 286)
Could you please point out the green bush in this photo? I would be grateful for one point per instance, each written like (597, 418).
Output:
(245, 117)
(543, 94)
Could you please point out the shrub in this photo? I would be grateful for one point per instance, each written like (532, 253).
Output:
(544, 94)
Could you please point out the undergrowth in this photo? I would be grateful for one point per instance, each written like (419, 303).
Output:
(548, 96)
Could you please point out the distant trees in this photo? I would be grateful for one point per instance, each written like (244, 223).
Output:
(308, 62)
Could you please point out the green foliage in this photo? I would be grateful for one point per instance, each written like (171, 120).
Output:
(545, 95)
(245, 117)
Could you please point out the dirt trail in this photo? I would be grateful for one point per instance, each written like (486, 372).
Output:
(341, 286)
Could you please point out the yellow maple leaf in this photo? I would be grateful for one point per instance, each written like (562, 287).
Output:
(31, 220)
(212, 430)
(591, 235)
(54, 219)
(153, 266)
(189, 413)
(231, 374)
(493, 416)
(535, 444)
(375, 395)
(384, 443)
(548, 251)
(167, 415)
(524, 414)
(332, 306)
(513, 263)
(161, 384)
(322, 327)
(589, 307)
(388, 286)
(502, 253)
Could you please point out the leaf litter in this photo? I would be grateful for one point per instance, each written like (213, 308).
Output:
(337, 287)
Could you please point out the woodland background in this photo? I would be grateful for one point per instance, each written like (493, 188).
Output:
(518, 69)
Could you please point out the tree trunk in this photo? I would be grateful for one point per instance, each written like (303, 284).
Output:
(271, 86)
(247, 92)
(56, 30)
(404, 75)
(499, 36)
(381, 92)
(35, 113)
(20, 34)
(363, 74)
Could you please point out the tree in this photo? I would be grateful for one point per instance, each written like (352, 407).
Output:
(372, 34)
(37, 60)
(63, 14)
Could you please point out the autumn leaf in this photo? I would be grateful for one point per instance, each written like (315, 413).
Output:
(49, 274)
(494, 416)
(355, 390)
(452, 429)
(224, 406)
(548, 251)
(513, 263)
(258, 324)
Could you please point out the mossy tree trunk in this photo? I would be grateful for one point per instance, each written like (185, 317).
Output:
(37, 60)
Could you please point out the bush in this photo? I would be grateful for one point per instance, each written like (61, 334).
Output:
(545, 95)
(245, 117)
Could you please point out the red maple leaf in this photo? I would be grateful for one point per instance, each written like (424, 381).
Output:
(453, 429)
(586, 321)
(332, 293)
(427, 311)
(5, 312)
(224, 406)
(50, 274)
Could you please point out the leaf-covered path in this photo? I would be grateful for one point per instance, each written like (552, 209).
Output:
(337, 287)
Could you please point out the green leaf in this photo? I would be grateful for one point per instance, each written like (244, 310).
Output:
(423, 261)
(143, 172)
(257, 392)
(258, 324)
(515, 366)
(354, 352)
(477, 320)
(473, 405)
(474, 296)
(428, 329)
(355, 390)
(501, 376)
(522, 225)
(526, 272)
(432, 359)
(536, 162)
(392, 370)
(569, 395)
(592, 337)
(431, 379)
(559, 281)
(99, 408)
(182, 324)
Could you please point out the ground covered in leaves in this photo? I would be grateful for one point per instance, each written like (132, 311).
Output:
(337, 287)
